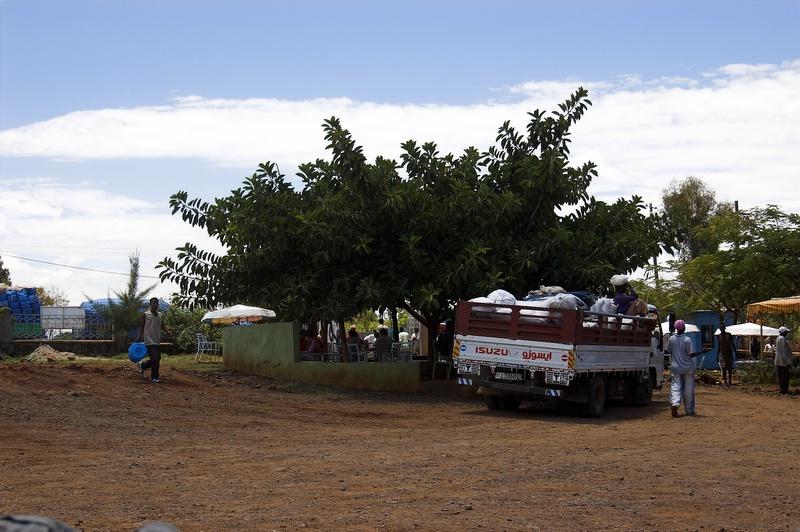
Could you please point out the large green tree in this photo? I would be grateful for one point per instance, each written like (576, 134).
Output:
(418, 234)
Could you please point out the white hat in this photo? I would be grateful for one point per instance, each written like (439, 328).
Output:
(619, 280)
(783, 330)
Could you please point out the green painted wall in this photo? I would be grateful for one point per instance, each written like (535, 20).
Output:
(271, 350)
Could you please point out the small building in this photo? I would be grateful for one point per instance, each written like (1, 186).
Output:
(708, 322)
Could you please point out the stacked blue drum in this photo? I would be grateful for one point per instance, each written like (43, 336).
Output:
(25, 309)
(21, 301)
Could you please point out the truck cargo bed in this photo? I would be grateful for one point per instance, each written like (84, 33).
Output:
(558, 326)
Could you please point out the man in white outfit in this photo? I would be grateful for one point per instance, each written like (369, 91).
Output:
(783, 359)
(682, 368)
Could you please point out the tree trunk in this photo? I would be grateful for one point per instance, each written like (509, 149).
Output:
(432, 324)
(395, 325)
(343, 350)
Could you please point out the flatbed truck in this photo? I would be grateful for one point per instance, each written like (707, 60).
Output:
(517, 353)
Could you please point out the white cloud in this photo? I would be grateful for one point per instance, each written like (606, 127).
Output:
(78, 225)
(737, 128)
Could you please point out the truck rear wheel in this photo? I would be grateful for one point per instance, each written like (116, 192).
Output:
(641, 392)
(596, 393)
(509, 403)
(493, 402)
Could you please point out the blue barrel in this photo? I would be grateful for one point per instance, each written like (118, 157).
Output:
(137, 351)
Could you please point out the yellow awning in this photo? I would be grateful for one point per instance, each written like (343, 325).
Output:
(780, 305)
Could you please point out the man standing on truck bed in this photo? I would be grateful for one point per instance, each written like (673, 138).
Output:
(682, 368)
(625, 297)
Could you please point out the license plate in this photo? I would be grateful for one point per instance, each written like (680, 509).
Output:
(556, 378)
(465, 368)
(505, 376)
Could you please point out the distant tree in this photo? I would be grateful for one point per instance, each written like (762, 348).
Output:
(52, 297)
(5, 275)
(757, 257)
(125, 308)
(688, 207)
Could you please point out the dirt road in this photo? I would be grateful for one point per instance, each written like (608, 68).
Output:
(100, 449)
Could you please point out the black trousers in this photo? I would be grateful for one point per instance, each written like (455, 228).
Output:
(153, 363)
(783, 378)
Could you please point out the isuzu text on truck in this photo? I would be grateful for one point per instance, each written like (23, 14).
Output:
(516, 353)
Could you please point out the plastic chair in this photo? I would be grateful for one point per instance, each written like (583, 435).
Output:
(357, 353)
(205, 347)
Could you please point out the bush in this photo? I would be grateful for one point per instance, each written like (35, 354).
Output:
(184, 325)
(764, 373)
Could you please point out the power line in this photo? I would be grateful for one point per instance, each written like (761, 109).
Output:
(73, 267)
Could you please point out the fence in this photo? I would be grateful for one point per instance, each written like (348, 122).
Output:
(30, 327)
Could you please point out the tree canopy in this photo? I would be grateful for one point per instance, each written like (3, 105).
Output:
(728, 259)
(419, 233)
(757, 257)
(689, 205)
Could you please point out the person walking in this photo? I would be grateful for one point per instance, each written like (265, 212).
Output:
(682, 368)
(150, 328)
(725, 354)
(783, 359)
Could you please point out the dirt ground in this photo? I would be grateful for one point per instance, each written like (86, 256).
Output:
(100, 449)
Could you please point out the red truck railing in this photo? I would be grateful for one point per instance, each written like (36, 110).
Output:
(575, 327)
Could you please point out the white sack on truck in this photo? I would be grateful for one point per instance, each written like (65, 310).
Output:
(501, 297)
(566, 301)
(605, 305)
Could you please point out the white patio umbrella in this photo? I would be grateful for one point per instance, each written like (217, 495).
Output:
(750, 329)
(238, 313)
(689, 327)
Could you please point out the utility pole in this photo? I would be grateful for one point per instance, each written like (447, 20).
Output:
(655, 257)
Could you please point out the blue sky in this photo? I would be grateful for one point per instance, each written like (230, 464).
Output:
(123, 103)
(59, 56)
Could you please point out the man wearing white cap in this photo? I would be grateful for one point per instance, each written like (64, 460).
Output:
(682, 367)
(783, 359)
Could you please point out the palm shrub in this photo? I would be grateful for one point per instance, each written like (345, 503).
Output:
(124, 312)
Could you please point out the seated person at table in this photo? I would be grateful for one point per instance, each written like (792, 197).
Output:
(353, 338)
(315, 343)
(403, 336)
(370, 338)
(383, 345)
(303, 341)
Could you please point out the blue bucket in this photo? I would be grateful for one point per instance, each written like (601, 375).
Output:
(137, 351)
